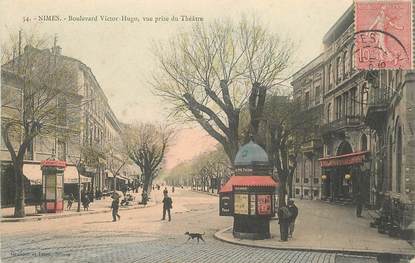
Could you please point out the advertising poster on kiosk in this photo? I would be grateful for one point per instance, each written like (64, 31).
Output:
(241, 204)
(264, 204)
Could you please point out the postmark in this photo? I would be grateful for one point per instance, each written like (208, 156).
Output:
(383, 34)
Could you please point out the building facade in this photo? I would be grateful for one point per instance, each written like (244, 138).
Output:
(85, 151)
(366, 144)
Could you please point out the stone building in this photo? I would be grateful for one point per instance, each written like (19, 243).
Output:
(366, 141)
(95, 122)
(63, 144)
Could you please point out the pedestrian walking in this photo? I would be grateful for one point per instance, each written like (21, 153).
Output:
(85, 202)
(172, 189)
(165, 191)
(167, 205)
(115, 205)
(284, 216)
(359, 204)
(294, 213)
(70, 201)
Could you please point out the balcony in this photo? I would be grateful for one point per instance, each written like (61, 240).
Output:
(311, 145)
(341, 124)
(377, 108)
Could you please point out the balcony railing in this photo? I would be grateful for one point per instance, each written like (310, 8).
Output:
(342, 123)
(377, 107)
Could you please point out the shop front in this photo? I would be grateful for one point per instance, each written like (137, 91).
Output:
(345, 176)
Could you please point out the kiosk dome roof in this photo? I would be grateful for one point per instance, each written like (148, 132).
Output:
(251, 154)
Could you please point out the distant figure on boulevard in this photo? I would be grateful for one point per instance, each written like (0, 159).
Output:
(70, 202)
(167, 205)
(172, 189)
(165, 191)
(359, 204)
(294, 213)
(115, 205)
(86, 201)
(284, 216)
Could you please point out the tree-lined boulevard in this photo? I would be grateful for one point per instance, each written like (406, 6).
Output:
(140, 236)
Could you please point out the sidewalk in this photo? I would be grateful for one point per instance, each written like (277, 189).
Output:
(96, 207)
(330, 228)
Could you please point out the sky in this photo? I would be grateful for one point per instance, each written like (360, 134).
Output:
(119, 53)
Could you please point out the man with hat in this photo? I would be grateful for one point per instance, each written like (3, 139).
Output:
(294, 213)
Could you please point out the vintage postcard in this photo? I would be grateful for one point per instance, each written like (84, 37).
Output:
(207, 131)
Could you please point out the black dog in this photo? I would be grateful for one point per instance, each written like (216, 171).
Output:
(195, 235)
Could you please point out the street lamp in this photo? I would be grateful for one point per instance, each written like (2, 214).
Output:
(79, 164)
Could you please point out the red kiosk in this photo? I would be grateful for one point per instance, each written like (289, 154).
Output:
(52, 185)
(249, 195)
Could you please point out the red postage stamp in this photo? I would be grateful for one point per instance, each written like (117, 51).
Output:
(383, 34)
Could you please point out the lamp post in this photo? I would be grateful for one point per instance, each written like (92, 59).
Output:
(78, 167)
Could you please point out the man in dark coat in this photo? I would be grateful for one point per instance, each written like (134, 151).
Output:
(294, 213)
(359, 204)
(115, 205)
(284, 216)
(167, 205)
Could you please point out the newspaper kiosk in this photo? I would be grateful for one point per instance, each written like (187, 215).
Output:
(249, 195)
(52, 185)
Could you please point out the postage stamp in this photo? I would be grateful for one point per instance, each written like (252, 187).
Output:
(383, 34)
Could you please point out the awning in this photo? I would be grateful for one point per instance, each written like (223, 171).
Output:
(121, 177)
(342, 160)
(71, 176)
(33, 173)
(254, 180)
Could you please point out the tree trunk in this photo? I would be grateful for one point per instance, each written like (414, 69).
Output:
(19, 208)
(283, 189)
(290, 181)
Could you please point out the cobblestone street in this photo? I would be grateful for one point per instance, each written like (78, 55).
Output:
(140, 236)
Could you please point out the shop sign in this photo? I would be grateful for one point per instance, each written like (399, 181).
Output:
(264, 204)
(342, 161)
(241, 204)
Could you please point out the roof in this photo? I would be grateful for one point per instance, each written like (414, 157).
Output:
(254, 180)
(249, 154)
(339, 26)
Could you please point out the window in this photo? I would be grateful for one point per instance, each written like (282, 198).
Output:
(339, 70)
(61, 150)
(399, 161)
(363, 99)
(297, 191)
(346, 104)
(315, 180)
(330, 76)
(338, 107)
(352, 59)
(297, 180)
(306, 180)
(329, 113)
(315, 193)
(346, 63)
(306, 191)
(317, 95)
(307, 100)
(390, 163)
(353, 99)
(61, 111)
(363, 142)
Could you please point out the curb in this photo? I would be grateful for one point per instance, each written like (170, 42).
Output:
(201, 192)
(371, 253)
(39, 218)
